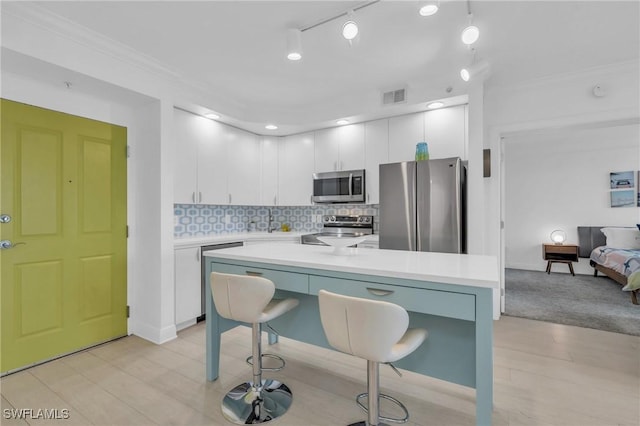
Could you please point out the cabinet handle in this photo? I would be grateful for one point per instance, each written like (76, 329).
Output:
(198, 255)
(368, 198)
(229, 198)
(275, 200)
(379, 292)
(200, 197)
(193, 197)
(254, 273)
(335, 165)
(341, 165)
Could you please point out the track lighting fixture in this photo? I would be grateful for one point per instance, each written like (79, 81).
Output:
(294, 44)
(350, 27)
(475, 70)
(470, 34)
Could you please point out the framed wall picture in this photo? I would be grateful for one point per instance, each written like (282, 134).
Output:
(624, 198)
(622, 180)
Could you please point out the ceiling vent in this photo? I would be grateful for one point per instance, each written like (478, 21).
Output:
(394, 97)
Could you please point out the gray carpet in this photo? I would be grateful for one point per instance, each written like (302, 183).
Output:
(583, 300)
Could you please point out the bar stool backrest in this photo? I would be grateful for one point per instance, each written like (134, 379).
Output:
(365, 328)
(241, 297)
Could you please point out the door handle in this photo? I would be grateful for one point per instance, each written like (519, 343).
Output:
(6, 245)
(5, 218)
(379, 292)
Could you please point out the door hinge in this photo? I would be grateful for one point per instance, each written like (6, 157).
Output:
(127, 231)
(128, 151)
(128, 311)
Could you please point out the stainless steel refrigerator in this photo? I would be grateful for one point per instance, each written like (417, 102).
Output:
(423, 206)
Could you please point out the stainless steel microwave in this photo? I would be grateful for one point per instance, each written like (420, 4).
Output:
(339, 187)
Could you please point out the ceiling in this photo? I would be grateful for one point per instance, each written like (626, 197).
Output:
(236, 50)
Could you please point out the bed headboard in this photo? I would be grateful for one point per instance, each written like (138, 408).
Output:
(590, 237)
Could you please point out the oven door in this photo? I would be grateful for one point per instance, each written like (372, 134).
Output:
(339, 187)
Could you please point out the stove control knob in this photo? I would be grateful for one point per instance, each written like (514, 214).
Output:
(333, 218)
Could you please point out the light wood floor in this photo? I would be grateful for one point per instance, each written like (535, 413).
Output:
(545, 374)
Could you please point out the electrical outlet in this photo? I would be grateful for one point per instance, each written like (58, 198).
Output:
(227, 218)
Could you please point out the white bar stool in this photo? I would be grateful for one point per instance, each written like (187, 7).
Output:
(250, 299)
(372, 330)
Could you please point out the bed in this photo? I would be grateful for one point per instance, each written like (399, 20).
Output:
(620, 264)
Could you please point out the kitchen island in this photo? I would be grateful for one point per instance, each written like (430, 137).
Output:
(448, 294)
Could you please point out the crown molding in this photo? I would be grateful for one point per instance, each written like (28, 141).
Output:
(70, 30)
(596, 72)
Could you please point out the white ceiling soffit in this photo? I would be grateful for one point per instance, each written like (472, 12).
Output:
(237, 50)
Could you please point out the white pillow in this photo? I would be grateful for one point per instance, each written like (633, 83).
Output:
(622, 238)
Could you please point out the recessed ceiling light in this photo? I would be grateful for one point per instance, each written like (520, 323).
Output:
(212, 116)
(428, 9)
(464, 74)
(342, 122)
(271, 127)
(435, 105)
(470, 34)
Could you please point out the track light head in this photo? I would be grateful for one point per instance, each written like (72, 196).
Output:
(476, 70)
(294, 44)
(350, 27)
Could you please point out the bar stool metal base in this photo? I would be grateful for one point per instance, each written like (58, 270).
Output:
(388, 398)
(365, 423)
(271, 356)
(246, 404)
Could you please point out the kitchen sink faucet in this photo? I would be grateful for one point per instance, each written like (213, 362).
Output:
(270, 229)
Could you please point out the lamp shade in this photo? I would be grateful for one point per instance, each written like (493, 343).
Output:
(558, 236)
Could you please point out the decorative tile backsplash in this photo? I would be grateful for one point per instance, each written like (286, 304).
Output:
(200, 220)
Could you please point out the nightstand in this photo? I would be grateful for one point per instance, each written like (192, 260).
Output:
(560, 253)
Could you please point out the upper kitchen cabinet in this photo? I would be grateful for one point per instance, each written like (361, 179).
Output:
(295, 173)
(243, 167)
(199, 160)
(339, 148)
(376, 151)
(446, 132)
(405, 131)
(212, 164)
(269, 170)
(187, 131)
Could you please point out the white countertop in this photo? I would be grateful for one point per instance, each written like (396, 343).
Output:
(472, 270)
(244, 236)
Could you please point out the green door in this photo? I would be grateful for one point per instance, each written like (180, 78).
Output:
(64, 279)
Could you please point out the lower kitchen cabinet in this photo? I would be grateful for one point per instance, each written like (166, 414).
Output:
(187, 286)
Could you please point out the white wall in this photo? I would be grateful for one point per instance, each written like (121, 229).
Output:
(560, 180)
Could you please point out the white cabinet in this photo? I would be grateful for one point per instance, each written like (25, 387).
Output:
(405, 131)
(339, 148)
(186, 133)
(187, 286)
(295, 174)
(243, 167)
(446, 132)
(214, 163)
(269, 170)
(376, 135)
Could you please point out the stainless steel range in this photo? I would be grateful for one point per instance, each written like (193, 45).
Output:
(341, 226)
